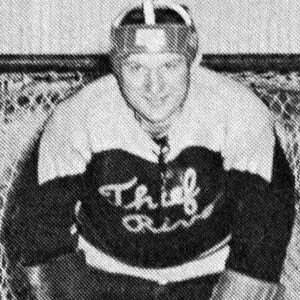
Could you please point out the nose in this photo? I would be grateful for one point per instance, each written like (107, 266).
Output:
(154, 82)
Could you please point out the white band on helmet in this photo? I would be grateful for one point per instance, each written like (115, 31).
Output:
(152, 38)
(158, 4)
(149, 12)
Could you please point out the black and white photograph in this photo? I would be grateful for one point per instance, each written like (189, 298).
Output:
(149, 150)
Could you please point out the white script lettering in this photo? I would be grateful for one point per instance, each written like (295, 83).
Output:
(107, 190)
(141, 223)
(183, 194)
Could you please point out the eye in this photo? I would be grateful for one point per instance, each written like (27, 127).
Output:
(171, 65)
(135, 67)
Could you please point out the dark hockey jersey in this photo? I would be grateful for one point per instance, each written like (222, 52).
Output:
(97, 175)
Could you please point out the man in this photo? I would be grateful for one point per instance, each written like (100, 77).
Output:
(154, 183)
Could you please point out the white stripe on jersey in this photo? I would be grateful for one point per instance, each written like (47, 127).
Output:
(210, 262)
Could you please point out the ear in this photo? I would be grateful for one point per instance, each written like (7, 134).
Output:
(193, 40)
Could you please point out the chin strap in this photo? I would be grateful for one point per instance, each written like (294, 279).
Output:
(236, 286)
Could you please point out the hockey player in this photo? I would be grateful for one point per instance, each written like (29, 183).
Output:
(156, 182)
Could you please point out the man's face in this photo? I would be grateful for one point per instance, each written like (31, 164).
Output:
(155, 85)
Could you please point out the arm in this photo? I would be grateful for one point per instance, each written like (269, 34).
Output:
(261, 227)
(39, 217)
(263, 212)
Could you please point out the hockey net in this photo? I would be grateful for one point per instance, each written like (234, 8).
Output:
(28, 99)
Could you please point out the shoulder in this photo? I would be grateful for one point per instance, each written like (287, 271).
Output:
(239, 124)
(72, 115)
(99, 92)
(235, 102)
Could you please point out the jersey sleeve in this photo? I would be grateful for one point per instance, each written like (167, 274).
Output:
(262, 208)
(40, 214)
(38, 232)
(64, 149)
(63, 155)
(249, 137)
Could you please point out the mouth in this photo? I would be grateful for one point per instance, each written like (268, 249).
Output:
(157, 101)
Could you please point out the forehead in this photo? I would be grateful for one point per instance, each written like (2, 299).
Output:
(153, 59)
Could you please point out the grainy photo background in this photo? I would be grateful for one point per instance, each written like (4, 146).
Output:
(49, 49)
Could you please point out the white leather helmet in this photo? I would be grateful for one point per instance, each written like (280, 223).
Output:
(154, 27)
